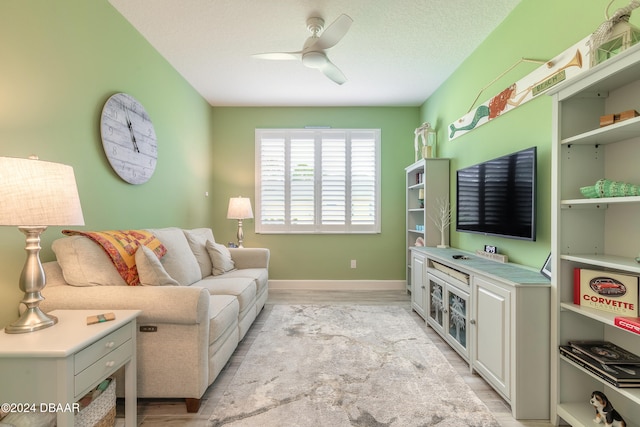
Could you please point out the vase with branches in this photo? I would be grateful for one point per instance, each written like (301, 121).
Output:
(441, 218)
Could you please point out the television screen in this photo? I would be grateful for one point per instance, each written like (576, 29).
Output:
(498, 197)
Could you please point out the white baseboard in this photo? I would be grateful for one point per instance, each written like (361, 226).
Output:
(339, 285)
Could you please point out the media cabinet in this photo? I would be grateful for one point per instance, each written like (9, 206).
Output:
(495, 315)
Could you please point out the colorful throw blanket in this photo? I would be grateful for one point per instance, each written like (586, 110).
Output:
(121, 246)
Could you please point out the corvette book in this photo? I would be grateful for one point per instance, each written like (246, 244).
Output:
(616, 375)
(628, 323)
(606, 352)
(607, 291)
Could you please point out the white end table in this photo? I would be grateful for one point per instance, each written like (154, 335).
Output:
(60, 364)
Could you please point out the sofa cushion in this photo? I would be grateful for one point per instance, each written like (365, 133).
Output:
(223, 314)
(179, 261)
(150, 269)
(220, 258)
(242, 288)
(84, 263)
(197, 239)
(260, 275)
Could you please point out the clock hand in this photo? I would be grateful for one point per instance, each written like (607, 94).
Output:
(133, 137)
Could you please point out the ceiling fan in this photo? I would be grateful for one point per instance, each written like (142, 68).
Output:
(313, 53)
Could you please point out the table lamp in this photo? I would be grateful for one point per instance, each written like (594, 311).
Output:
(239, 208)
(35, 194)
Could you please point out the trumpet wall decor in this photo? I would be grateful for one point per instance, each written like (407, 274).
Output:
(564, 66)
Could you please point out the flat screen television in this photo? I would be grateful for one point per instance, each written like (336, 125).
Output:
(498, 197)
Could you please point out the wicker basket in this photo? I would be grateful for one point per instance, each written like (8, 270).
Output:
(109, 420)
(101, 412)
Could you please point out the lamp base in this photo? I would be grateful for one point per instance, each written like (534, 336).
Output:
(33, 319)
(32, 281)
(240, 234)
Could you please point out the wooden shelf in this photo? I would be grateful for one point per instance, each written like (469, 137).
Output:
(613, 133)
(577, 414)
(605, 261)
(604, 201)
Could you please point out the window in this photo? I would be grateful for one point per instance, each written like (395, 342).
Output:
(317, 180)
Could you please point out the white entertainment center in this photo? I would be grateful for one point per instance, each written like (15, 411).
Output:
(495, 315)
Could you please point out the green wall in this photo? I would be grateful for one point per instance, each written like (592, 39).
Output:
(61, 60)
(316, 257)
(539, 29)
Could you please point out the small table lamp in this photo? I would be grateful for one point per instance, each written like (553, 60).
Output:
(33, 195)
(239, 208)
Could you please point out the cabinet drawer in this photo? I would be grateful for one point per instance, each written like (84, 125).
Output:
(95, 351)
(102, 368)
(452, 272)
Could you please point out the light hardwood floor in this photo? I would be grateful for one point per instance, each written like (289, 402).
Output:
(172, 412)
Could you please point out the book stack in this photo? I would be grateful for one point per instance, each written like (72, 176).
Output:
(606, 360)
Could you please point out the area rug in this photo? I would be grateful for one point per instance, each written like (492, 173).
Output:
(346, 365)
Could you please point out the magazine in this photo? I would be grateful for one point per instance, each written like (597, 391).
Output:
(616, 375)
(606, 352)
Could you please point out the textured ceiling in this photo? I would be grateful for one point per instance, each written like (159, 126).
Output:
(396, 53)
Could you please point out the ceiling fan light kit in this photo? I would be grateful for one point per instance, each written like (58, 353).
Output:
(314, 59)
(313, 53)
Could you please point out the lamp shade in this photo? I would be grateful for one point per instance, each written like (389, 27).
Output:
(239, 208)
(38, 193)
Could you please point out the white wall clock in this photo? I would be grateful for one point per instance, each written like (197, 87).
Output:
(128, 138)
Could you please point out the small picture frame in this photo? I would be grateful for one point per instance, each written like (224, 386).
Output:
(546, 268)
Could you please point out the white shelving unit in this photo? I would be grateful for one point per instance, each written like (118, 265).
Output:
(602, 233)
(431, 176)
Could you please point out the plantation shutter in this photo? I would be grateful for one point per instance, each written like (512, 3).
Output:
(364, 167)
(317, 181)
(272, 176)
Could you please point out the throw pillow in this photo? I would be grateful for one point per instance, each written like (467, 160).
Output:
(84, 263)
(150, 269)
(220, 258)
(179, 261)
(197, 239)
(121, 246)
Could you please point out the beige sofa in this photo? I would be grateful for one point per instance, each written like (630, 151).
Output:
(197, 302)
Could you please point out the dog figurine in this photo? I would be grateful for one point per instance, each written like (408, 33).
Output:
(605, 412)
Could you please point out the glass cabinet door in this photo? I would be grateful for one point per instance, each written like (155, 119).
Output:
(457, 318)
(436, 302)
(448, 313)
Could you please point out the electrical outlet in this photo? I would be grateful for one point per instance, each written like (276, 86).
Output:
(353, 263)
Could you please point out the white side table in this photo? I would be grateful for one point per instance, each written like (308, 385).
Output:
(60, 364)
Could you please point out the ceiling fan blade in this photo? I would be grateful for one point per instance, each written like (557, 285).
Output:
(334, 32)
(279, 56)
(333, 72)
